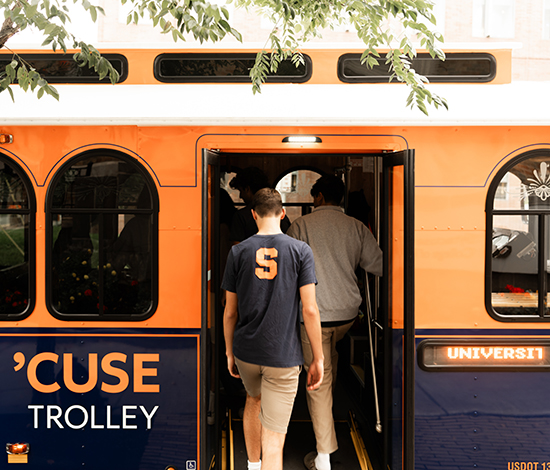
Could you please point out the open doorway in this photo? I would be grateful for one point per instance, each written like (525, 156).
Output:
(367, 371)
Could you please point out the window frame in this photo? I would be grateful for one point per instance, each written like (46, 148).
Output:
(70, 79)
(453, 56)
(31, 212)
(543, 240)
(154, 212)
(224, 78)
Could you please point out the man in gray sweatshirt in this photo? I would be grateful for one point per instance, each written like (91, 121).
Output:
(340, 244)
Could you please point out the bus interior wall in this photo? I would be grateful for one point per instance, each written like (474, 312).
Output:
(293, 175)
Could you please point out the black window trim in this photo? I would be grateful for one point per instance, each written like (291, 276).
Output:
(31, 212)
(154, 239)
(542, 238)
(225, 78)
(431, 78)
(69, 79)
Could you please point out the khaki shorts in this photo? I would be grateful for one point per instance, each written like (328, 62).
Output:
(277, 386)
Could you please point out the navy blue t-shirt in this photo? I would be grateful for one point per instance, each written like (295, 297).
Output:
(266, 272)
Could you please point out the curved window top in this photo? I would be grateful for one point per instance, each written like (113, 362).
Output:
(231, 67)
(518, 240)
(295, 187)
(13, 191)
(60, 68)
(101, 182)
(525, 186)
(102, 234)
(457, 68)
(17, 242)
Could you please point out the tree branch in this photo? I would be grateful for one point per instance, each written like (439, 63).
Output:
(7, 31)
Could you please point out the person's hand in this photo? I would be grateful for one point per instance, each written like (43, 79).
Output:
(232, 367)
(315, 374)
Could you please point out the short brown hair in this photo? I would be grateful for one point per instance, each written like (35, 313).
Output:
(267, 202)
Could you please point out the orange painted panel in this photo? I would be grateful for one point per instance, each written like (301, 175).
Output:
(450, 276)
(170, 153)
(444, 209)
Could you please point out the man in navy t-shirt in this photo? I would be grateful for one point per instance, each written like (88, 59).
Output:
(266, 277)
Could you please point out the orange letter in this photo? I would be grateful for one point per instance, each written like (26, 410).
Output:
(140, 372)
(265, 257)
(31, 373)
(68, 373)
(121, 374)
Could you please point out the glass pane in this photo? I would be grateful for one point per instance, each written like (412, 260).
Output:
(457, 67)
(515, 265)
(220, 67)
(127, 273)
(114, 280)
(14, 268)
(13, 194)
(101, 182)
(295, 189)
(75, 280)
(63, 69)
(525, 186)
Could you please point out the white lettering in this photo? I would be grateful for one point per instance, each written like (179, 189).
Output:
(67, 415)
(465, 352)
(126, 416)
(55, 415)
(35, 409)
(109, 425)
(488, 354)
(149, 417)
(452, 353)
(92, 416)
(51, 417)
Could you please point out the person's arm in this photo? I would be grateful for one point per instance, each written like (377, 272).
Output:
(312, 323)
(230, 317)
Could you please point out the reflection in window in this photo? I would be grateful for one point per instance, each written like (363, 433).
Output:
(15, 241)
(520, 239)
(102, 220)
(294, 188)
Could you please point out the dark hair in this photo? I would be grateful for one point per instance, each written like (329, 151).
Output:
(332, 188)
(267, 202)
(251, 177)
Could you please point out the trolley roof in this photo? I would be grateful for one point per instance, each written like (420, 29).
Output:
(514, 104)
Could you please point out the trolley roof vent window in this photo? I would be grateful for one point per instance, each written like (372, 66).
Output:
(477, 67)
(302, 139)
(61, 68)
(224, 68)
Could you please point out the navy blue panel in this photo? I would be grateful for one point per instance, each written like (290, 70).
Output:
(95, 429)
(396, 412)
(484, 420)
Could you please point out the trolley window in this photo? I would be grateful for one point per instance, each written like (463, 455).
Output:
(295, 187)
(17, 247)
(58, 68)
(457, 68)
(102, 234)
(518, 240)
(224, 68)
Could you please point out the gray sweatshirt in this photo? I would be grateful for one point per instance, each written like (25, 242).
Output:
(340, 244)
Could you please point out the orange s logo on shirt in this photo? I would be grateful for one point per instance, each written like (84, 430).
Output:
(265, 257)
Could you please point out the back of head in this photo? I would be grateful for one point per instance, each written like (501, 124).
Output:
(332, 187)
(251, 177)
(267, 202)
